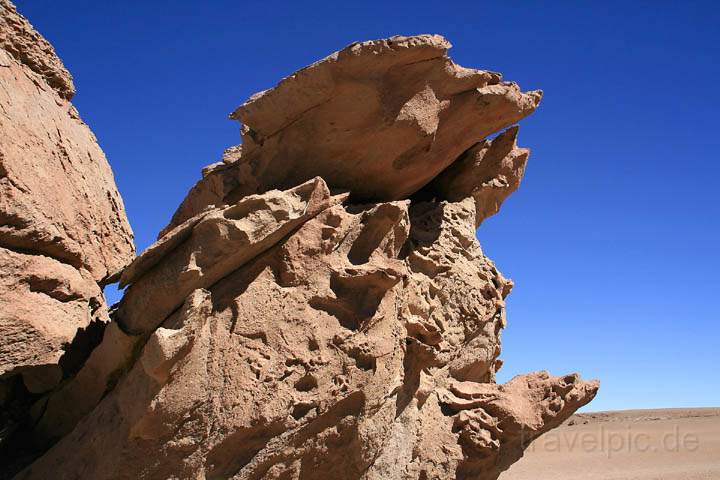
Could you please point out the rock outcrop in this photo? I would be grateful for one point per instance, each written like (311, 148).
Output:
(63, 230)
(363, 344)
(378, 119)
(319, 307)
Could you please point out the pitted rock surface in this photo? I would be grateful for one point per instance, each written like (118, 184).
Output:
(362, 345)
(318, 308)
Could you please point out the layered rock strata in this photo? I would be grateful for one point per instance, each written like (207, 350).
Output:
(319, 306)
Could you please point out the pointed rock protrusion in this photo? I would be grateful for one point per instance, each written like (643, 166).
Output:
(378, 119)
(488, 171)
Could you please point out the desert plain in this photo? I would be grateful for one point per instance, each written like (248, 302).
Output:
(659, 444)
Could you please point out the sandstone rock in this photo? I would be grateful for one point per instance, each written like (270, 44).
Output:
(57, 193)
(63, 230)
(457, 296)
(379, 119)
(319, 307)
(204, 250)
(19, 39)
(489, 171)
(43, 305)
(362, 345)
(497, 422)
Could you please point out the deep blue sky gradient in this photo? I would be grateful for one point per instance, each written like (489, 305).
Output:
(612, 238)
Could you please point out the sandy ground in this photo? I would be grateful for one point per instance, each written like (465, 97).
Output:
(671, 444)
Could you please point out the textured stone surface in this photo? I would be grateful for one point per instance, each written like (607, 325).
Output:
(63, 229)
(57, 193)
(43, 304)
(489, 172)
(363, 345)
(19, 39)
(379, 119)
(318, 308)
(211, 247)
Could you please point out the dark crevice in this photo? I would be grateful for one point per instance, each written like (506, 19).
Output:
(16, 424)
(82, 345)
(363, 360)
(302, 409)
(337, 308)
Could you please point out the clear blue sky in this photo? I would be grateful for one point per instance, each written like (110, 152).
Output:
(613, 237)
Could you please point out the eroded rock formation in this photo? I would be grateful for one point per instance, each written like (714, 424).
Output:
(378, 119)
(63, 230)
(319, 307)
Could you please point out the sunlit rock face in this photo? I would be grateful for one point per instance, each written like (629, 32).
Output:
(63, 229)
(319, 306)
